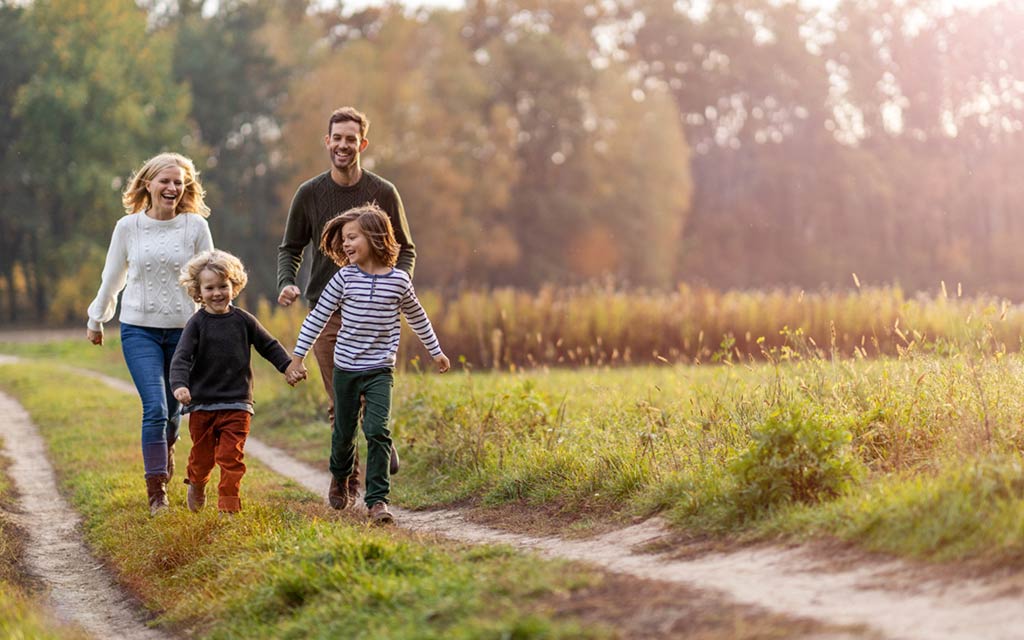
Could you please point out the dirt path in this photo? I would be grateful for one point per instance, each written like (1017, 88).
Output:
(890, 597)
(81, 590)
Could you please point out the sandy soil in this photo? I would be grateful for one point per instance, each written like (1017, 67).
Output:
(893, 598)
(80, 589)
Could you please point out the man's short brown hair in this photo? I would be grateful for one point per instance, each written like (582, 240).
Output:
(350, 114)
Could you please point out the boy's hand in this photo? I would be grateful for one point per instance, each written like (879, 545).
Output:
(442, 363)
(296, 371)
(182, 395)
(95, 337)
(294, 377)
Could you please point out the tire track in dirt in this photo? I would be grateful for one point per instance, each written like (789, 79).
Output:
(891, 597)
(80, 589)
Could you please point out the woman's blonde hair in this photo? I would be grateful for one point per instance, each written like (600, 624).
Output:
(374, 223)
(136, 196)
(220, 262)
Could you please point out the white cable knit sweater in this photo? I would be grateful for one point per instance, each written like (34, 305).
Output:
(145, 258)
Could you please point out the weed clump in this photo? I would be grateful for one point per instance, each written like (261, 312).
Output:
(793, 458)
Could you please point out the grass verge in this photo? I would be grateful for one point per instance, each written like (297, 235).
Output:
(915, 455)
(286, 567)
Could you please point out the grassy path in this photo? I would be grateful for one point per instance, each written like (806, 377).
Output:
(290, 567)
(81, 590)
(896, 599)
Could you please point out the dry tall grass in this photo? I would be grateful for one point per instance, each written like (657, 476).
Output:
(507, 329)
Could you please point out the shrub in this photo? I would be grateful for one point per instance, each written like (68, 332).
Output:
(793, 458)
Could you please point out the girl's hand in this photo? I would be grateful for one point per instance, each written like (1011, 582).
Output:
(442, 363)
(294, 377)
(182, 395)
(95, 337)
(296, 371)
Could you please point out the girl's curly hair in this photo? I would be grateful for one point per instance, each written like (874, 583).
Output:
(220, 262)
(374, 223)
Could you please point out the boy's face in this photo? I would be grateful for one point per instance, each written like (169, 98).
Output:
(216, 291)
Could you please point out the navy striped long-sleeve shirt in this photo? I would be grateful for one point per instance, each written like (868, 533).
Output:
(370, 318)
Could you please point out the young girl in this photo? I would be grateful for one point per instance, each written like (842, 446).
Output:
(211, 375)
(370, 293)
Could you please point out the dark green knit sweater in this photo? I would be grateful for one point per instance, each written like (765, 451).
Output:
(317, 201)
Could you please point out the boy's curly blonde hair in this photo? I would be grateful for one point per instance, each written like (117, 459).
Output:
(220, 262)
(375, 225)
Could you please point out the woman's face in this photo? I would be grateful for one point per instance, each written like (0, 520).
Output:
(166, 189)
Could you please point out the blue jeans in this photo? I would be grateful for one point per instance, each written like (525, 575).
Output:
(147, 352)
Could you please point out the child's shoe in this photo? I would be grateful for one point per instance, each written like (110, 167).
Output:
(195, 497)
(379, 514)
(338, 494)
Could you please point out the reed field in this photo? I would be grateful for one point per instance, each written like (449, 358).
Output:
(810, 428)
(509, 329)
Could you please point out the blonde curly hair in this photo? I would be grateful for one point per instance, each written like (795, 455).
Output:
(220, 262)
(136, 196)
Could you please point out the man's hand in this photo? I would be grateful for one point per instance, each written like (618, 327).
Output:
(95, 337)
(288, 295)
(182, 395)
(442, 363)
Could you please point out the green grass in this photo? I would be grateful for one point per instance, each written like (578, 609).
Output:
(287, 566)
(913, 455)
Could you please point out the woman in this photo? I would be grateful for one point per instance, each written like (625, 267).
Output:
(165, 228)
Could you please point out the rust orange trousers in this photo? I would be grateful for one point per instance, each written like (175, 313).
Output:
(218, 438)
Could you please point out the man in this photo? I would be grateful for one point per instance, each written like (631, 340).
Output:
(316, 201)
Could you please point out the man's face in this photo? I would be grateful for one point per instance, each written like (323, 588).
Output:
(344, 144)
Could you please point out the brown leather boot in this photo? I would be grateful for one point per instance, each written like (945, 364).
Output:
(337, 495)
(156, 488)
(395, 462)
(170, 461)
(379, 514)
(353, 484)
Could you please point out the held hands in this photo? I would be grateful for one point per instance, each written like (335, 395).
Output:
(182, 395)
(442, 363)
(296, 371)
(288, 295)
(95, 337)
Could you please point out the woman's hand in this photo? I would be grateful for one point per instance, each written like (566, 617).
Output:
(95, 337)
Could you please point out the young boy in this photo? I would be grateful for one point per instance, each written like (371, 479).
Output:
(211, 375)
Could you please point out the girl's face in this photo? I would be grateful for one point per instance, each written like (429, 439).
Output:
(216, 291)
(356, 246)
(166, 189)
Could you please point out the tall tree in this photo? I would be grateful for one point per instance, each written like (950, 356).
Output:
(100, 102)
(237, 87)
(17, 64)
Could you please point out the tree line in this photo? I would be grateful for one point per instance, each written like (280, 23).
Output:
(735, 143)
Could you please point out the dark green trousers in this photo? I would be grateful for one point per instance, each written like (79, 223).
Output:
(376, 386)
